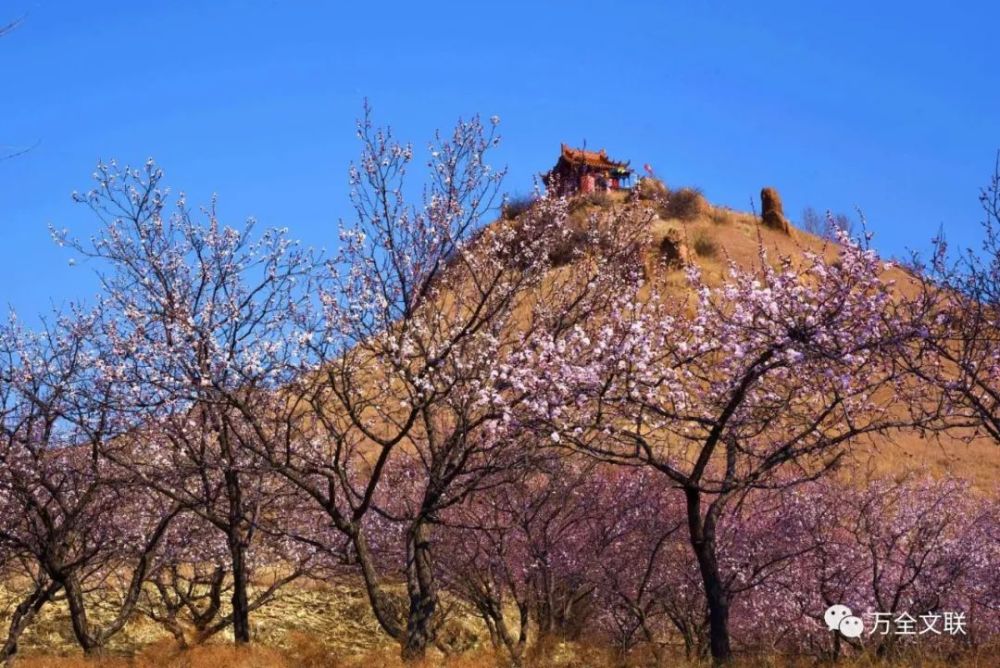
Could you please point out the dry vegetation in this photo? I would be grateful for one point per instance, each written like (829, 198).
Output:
(304, 650)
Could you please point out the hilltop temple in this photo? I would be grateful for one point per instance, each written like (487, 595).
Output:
(583, 171)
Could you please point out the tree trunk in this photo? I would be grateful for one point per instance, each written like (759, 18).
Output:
(204, 617)
(421, 590)
(23, 615)
(500, 631)
(382, 605)
(519, 645)
(237, 551)
(545, 605)
(240, 599)
(78, 617)
(656, 647)
(689, 646)
(702, 534)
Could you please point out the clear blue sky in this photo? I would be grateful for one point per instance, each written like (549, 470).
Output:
(889, 106)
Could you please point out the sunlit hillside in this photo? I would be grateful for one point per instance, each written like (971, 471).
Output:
(714, 237)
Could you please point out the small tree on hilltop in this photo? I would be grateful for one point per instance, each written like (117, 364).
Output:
(827, 226)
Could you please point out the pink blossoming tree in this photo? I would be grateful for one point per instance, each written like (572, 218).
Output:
(774, 374)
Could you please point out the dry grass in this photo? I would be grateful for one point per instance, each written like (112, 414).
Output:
(685, 204)
(583, 202)
(207, 656)
(723, 215)
(338, 618)
(704, 245)
(306, 654)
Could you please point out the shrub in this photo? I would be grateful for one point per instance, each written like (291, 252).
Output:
(721, 215)
(515, 206)
(684, 204)
(704, 245)
(597, 198)
(649, 188)
(568, 248)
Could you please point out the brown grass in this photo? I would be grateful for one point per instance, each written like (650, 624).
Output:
(704, 245)
(553, 654)
(651, 189)
(723, 215)
(685, 204)
(207, 656)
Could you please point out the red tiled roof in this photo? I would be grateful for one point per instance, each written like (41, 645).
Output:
(590, 158)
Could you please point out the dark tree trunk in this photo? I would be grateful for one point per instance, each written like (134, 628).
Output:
(78, 617)
(386, 613)
(23, 616)
(547, 606)
(421, 590)
(491, 610)
(203, 617)
(240, 599)
(702, 535)
(237, 552)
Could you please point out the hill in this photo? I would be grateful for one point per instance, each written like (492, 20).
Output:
(685, 229)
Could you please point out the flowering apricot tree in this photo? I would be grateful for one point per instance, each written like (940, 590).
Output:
(531, 554)
(71, 523)
(960, 302)
(200, 332)
(778, 370)
(510, 412)
(419, 359)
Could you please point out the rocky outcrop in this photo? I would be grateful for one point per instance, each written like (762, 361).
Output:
(672, 250)
(772, 214)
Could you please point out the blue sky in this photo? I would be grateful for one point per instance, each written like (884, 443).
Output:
(887, 106)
